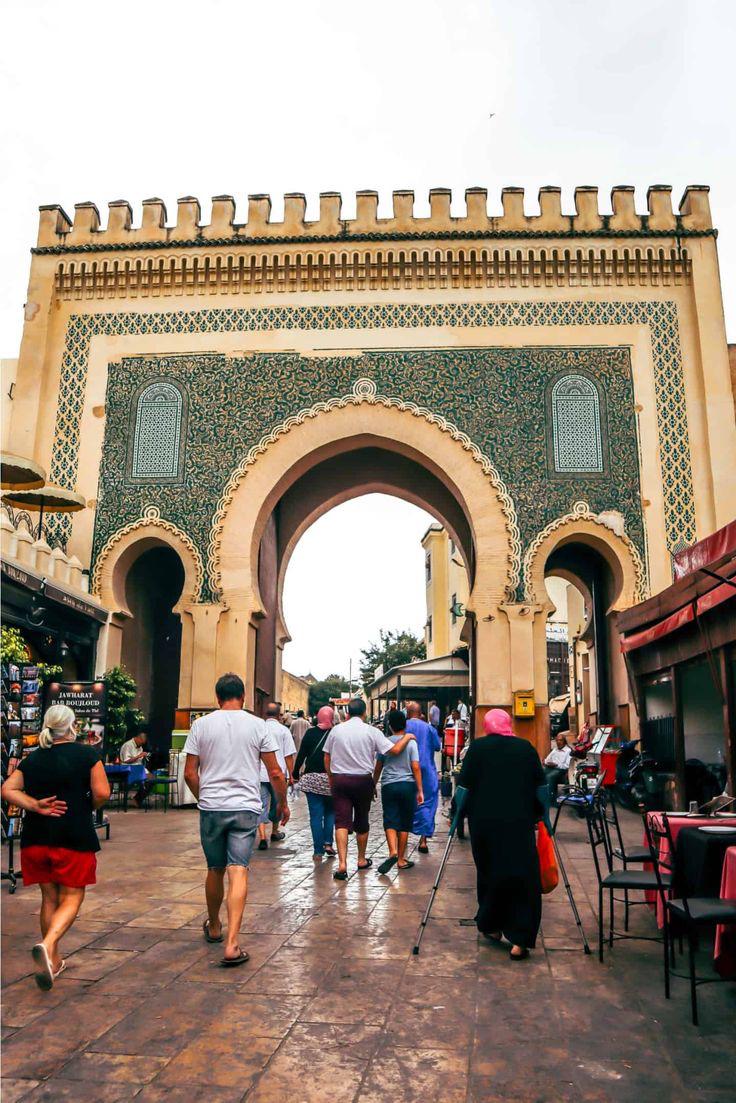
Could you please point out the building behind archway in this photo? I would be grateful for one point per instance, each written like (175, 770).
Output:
(555, 386)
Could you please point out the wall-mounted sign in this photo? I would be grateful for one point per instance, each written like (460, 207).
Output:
(89, 702)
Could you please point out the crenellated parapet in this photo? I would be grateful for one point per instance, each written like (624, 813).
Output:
(85, 232)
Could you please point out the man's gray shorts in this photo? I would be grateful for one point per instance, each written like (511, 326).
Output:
(227, 837)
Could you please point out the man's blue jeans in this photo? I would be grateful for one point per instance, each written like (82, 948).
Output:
(321, 821)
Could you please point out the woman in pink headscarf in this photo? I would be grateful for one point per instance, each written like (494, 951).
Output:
(315, 784)
(502, 790)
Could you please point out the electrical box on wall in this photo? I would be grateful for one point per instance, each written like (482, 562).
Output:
(524, 703)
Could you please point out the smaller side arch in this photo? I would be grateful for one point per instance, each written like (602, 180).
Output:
(128, 543)
(585, 527)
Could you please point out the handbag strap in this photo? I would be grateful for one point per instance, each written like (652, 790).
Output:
(317, 750)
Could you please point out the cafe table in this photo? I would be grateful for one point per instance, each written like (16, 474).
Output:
(677, 823)
(725, 950)
(133, 774)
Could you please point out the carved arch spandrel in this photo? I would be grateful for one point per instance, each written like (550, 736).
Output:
(586, 527)
(446, 447)
(128, 543)
(290, 449)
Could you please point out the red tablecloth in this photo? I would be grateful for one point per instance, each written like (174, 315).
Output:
(725, 951)
(676, 825)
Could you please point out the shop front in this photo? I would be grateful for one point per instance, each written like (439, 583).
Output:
(680, 652)
(59, 625)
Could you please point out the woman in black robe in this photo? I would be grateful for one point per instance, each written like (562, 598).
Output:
(502, 789)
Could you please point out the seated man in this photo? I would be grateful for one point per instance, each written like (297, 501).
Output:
(557, 764)
(133, 753)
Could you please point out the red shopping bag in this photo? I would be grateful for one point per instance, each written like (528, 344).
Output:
(548, 871)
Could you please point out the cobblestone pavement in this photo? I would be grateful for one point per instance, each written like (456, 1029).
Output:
(333, 1006)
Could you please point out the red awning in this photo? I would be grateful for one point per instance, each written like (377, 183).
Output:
(707, 552)
(663, 628)
(686, 615)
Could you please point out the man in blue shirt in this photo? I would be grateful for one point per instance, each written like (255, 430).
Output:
(428, 743)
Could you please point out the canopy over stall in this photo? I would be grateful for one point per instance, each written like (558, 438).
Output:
(45, 499)
(19, 473)
(427, 679)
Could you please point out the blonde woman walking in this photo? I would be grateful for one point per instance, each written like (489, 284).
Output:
(59, 785)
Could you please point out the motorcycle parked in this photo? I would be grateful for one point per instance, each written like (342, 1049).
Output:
(639, 784)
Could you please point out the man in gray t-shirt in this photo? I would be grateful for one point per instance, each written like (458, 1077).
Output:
(224, 751)
(401, 792)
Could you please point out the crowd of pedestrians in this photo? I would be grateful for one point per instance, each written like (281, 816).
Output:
(240, 769)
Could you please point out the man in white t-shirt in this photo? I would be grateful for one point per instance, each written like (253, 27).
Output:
(557, 764)
(225, 751)
(285, 753)
(350, 756)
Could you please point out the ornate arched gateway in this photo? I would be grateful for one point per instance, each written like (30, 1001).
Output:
(553, 388)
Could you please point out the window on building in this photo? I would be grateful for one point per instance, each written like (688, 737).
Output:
(576, 426)
(429, 629)
(158, 433)
(428, 567)
(454, 608)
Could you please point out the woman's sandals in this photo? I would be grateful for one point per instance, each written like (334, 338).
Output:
(44, 975)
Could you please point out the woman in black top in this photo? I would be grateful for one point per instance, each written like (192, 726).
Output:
(58, 785)
(503, 790)
(315, 784)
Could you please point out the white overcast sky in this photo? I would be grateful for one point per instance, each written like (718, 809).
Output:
(103, 101)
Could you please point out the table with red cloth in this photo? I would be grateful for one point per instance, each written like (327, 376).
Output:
(676, 824)
(725, 950)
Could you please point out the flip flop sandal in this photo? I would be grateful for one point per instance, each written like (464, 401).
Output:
(60, 970)
(368, 864)
(407, 865)
(210, 937)
(232, 962)
(423, 849)
(340, 875)
(388, 864)
(330, 852)
(45, 974)
(519, 957)
(278, 837)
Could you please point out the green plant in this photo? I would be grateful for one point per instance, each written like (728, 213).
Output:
(13, 648)
(334, 685)
(122, 719)
(393, 649)
(48, 672)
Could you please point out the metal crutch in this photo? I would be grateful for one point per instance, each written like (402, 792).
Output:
(435, 886)
(570, 896)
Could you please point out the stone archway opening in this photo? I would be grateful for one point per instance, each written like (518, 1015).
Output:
(150, 647)
(358, 444)
(589, 583)
(366, 467)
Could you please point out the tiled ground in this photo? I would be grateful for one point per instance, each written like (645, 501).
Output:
(333, 1006)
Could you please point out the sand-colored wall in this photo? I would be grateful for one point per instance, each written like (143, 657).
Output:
(610, 273)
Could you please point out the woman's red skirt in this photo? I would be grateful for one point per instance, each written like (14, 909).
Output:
(73, 869)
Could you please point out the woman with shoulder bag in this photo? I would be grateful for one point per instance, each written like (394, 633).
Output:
(315, 784)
